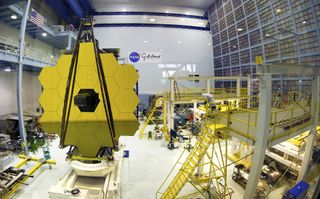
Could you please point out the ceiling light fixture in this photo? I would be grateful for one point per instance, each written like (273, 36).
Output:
(7, 69)
(167, 11)
(304, 22)
(234, 46)
(240, 29)
(44, 34)
(187, 13)
(124, 10)
(267, 35)
(278, 10)
(209, 44)
(145, 41)
(152, 19)
(14, 16)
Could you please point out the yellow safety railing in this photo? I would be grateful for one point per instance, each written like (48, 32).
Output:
(298, 115)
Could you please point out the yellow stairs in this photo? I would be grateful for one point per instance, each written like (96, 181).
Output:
(192, 161)
(154, 106)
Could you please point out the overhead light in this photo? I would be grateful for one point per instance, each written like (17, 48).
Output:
(145, 41)
(179, 42)
(124, 10)
(167, 11)
(278, 10)
(234, 46)
(267, 35)
(152, 19)
(7, 69)
(14, 16)
(209, 44)
(187, 13)
(52, 56)
(304, 22)
(240, 29)
(44, 34)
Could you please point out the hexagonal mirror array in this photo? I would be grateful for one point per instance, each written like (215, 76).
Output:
(120, 80)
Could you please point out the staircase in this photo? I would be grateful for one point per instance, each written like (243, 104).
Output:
(192, 161)
(149, 118)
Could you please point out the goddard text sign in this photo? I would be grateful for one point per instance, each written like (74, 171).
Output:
(145, 57)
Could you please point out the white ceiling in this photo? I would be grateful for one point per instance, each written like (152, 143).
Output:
(198, 4)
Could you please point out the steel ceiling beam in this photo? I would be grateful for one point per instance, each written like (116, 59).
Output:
(87, 5)
(75, 7)
(5, 3)
(61, 9)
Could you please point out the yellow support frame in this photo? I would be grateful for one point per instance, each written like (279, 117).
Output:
(30, 172)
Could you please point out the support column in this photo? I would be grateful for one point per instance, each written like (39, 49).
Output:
(313, 132)
(248, 92)
(208, 86)
(194, 111)
(22, 129)
(171, 116)
(261, 135)
(69, 42)
(238, 87)
(171, 105)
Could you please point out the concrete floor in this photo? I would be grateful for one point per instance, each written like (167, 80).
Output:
(142, 173)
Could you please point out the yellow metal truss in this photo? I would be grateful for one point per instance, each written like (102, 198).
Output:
(156, 103)
(25, 159)
(207, 138)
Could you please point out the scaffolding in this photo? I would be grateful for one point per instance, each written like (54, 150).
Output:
(258, 121)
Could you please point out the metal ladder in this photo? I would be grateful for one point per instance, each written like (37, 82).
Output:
(192, 162)
(149, 118)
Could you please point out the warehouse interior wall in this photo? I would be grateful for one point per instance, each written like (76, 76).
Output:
(31, 92)
(183, 52)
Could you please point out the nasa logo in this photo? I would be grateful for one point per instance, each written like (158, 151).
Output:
(134, 57)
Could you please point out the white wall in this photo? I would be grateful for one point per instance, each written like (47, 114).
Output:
(193, 50)
(31, 92)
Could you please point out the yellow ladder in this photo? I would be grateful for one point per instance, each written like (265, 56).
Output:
(154, 106)
(192, 162)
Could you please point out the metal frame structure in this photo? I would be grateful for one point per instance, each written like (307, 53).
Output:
(261, 143)
(19, 176)
(174, 100)
(266, 123)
